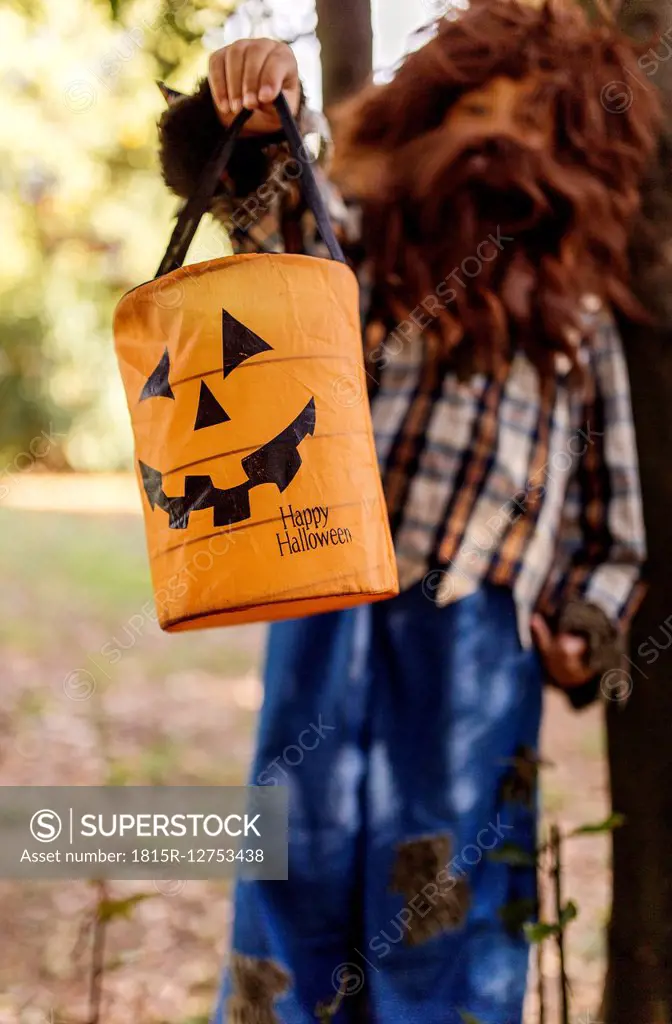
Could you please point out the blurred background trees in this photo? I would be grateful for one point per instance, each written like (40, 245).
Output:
(83, 210)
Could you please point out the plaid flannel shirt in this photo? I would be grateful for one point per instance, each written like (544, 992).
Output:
(525, 483)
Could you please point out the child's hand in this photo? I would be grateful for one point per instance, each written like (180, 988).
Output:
(563, 654)
(251, 73)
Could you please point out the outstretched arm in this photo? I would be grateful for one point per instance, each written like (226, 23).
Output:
(595, 588)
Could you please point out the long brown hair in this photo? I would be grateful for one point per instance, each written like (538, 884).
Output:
(566, 212)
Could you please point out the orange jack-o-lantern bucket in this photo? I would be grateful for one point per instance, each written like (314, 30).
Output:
(255, 454)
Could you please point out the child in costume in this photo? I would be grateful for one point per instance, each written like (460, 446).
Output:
(488, 189)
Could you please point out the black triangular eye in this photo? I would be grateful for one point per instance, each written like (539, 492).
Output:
(239, 343)
(156, 385)
(210, 411)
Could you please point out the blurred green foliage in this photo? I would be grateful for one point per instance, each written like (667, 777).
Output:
(85, 215)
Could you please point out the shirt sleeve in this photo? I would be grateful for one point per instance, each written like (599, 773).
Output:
(601, 545)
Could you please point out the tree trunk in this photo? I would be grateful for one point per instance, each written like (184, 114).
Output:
(639, 979)
(346, 38)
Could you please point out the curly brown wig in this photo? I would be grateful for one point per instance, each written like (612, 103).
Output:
(565, 210)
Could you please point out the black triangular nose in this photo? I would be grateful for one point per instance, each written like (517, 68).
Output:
(210, 411)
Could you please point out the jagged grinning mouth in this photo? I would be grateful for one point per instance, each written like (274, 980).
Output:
(277, 462)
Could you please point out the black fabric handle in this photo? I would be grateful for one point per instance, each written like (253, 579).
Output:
(193, 210)
(311, 190)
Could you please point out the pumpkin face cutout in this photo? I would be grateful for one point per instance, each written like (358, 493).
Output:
(254, 449)
(276, 462)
